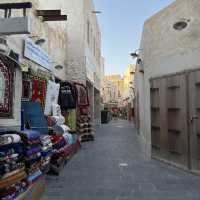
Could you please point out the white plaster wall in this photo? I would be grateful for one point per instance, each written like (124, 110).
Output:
(166, 51)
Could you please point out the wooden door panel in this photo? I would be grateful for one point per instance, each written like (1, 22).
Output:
(169, 119)
(177, 119)
(155, 118)
(194, 111)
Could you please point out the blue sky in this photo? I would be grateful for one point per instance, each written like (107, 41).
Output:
(121, 24)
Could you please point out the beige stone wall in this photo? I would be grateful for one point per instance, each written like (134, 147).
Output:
(165, 51)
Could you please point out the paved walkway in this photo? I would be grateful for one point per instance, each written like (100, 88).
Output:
(112, 168)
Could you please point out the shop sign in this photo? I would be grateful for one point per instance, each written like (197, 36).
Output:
(15, 25)
(37, 54)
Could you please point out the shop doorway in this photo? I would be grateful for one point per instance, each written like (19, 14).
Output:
(175, 119)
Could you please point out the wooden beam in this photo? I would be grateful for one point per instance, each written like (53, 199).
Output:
(48, 12)
(7, 6)
(55, 18)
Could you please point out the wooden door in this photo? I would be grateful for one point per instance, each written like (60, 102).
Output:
(169, 127)
(194, 119)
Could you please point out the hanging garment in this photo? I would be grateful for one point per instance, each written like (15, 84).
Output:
(6, 89)
(51, 96)
(71, 119)
(26, 90)
(39, 91)
(67, 96)
(81, 95)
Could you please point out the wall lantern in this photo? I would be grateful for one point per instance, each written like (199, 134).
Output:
(139, 60)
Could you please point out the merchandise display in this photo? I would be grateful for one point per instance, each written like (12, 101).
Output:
(64, 143)
(83, 122)
(12, 166)
(32, 154)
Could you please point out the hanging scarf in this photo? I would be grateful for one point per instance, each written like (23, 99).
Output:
(39, 91)
(82, 95)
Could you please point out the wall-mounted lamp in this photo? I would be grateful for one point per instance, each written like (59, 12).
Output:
(59, 67)
(135, 55)
(40, 41)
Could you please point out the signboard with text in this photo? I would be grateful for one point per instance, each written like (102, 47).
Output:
(38, 55)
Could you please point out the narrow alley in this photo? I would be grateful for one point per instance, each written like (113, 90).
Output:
(113, 168)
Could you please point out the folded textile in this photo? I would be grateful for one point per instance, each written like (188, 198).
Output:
(55, 138)
(34, 167)
(11, 149)
(32, 159)
(60, 129)
(32, 143)
(12, 192)
(9, 139)
(59, 144)
(9, 158)
(12, 173)
(6, 169)
(58, 119)
(68, 138)
(65, 151)
(45, 138)
(47, 148)
(34, 176)
(30, 135)
(6, 182)
(47, 153)
(33, 151)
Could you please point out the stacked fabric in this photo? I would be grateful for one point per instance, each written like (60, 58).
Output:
(84, 128)
(73, 144)
(59, 143)
(12, 167)
(47, 151)
(32, 154)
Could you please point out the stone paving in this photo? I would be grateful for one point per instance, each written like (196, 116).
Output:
(113, 168)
